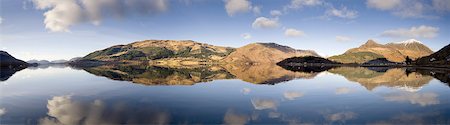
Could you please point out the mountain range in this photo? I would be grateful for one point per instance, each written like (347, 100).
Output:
(186, 52)
(395, 52)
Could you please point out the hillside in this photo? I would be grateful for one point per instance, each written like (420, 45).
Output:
(267, 53)
(160, 49)
(9, 61)
(439, 58)
(395, 52)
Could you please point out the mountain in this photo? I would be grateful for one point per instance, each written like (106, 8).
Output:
(10, 65)
(439, 58)
(59, 61)
(395, 52)
(9, 61)
(161, 49)
(269, 53)
(39, 61)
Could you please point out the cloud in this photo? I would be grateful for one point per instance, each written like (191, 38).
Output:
(265, 23)
(1, 20)
(2, 111)
(60, 15)
(422, 31)
(383, 4)
(233, 118)
(276, 13)
(342, 13)
(423, 99)
(343, 90)
(237, 6)
(245, 91)
(341, 116)
(292, 95)
(441, 5)
(261, 104)
(402, 8)
(63, 110)
(343, 39)
(296, 4)
(257, 10)
(293, 32)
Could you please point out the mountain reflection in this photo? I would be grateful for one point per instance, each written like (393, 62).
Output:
(152, 75)
(395, 77)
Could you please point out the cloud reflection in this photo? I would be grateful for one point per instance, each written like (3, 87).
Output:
(63, 110)
(423, 99)
(261, 104)
(291, 95)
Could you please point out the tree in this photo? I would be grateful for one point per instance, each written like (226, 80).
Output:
(408, 60)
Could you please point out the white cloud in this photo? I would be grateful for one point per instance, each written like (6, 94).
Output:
(1, 20)
(237, 6)
(276, 13)
(422, 31)
(292, 95)
(441, 5)
(342, 13)
(343, 38)
(290, 32)
(265, 23)
(296, 4)
(60, 15)
(383, 4)
(246, 36)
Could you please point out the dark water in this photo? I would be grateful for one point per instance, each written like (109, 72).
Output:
(224, 95)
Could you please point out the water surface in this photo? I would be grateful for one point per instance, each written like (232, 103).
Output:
(224, 95)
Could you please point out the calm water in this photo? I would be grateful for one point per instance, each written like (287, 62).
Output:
(229, 95)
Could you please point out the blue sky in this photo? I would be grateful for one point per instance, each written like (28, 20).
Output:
(63, 29)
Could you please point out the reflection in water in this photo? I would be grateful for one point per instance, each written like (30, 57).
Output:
(150, 75)
(343, 90)
(292, 95)
(422, 99)
(261, 104)
(2, 111)
(245, 91)
(340, 116)
(408, 96)
(5, 73)
(234, 118)
(265, 73)
(395, 77)
(63, 110)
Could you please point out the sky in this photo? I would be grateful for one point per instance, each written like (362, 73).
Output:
(63, 29)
